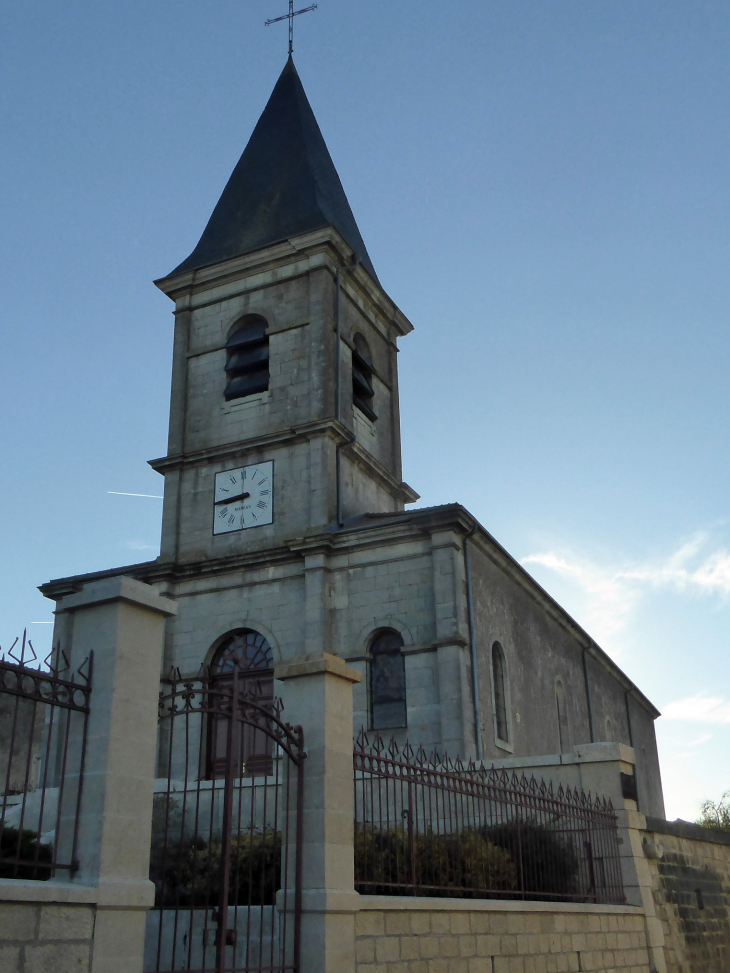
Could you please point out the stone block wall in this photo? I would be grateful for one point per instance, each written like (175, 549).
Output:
(432, 936)
(37, 937)
(690, 869)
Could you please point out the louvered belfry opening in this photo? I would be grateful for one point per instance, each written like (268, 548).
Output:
(247, 358)
(251, 655)
(363, 393)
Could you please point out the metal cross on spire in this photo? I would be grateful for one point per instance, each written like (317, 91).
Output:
(290, 17)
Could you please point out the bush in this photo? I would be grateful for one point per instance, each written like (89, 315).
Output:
(464, 865)
(189, 872)
(33, 861)
(716, 814)
(548, 862)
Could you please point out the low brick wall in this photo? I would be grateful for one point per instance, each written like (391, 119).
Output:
(42, 938)
(691, 877)
(418, 935)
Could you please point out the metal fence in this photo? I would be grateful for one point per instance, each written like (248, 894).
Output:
(427, 825)
(44, 713)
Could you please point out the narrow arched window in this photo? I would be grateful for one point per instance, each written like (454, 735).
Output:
(609, 730)
(247, 358)
(499, 684)
(250, 655)
(387, 681)
(561, 704)
(362, 377)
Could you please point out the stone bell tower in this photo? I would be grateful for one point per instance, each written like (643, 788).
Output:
(285, 357)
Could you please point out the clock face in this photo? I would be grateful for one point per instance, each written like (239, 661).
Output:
(244, 497)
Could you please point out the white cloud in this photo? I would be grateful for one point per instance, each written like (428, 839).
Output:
(698, 709)
(611, 594)
(711, 575)
(140, 546)
(608, 600)
(703, 739)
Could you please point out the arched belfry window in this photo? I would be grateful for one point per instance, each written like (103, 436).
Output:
(247, 358)
(561, 703)
(499, 687)
(387, 681)
(362, 377)
(250, 654)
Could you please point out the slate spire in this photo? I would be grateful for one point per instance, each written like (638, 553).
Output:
(285, 183)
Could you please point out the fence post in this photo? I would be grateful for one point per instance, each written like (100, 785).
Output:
(318, 697)
(122, 621)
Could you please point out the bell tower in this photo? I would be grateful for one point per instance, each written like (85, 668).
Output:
(285, 356)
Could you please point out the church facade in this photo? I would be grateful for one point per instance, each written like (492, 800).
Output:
(285, 530)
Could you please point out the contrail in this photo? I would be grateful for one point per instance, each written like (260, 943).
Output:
(152, 496)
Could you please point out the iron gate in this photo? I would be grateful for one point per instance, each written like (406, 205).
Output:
(226, 831)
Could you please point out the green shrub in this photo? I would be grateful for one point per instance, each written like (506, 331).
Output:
(548, 862)
(189, 872)
(33, 861)
(464, 865)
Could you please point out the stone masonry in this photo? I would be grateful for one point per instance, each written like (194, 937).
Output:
(690, 868)
(40, 938)
(427, 936)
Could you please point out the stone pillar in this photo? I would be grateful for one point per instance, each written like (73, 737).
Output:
(601, 768)
(122, 621)
(318, 697)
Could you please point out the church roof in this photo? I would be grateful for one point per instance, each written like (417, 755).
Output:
(284, 184)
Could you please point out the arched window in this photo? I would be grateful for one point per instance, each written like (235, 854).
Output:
(250, 654)
(499, 685)
(561, 704)
(609, 730)
(362, 377)
(247, 358)
(387, 681)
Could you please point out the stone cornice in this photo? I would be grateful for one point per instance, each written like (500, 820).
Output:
(286, 437)
(374, 531)
(324, 248)
(397, 488)
(283, 437)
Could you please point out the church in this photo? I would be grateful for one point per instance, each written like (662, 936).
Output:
(285, 526)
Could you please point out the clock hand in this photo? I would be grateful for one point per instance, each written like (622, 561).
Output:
(239, 496)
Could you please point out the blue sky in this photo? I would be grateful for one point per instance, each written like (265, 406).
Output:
(543, 189)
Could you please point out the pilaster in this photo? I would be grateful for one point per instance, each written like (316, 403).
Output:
(455, 696)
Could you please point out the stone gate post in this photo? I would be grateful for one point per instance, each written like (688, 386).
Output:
(609, 769)
(122, 621)
(317, 696)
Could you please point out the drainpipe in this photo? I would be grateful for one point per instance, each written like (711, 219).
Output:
(338, 373)
(472, 643)
(588, 697)
(628, 718)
